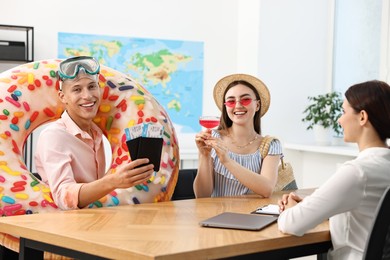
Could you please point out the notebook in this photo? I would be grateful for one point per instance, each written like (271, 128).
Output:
(270, 209)
(239, 221)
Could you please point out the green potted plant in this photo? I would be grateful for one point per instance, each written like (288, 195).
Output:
(323, 112)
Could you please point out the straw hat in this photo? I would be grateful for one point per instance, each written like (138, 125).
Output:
(262, 89)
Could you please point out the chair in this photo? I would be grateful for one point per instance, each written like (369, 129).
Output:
(378, 243)
(6, 253)
(184, 186)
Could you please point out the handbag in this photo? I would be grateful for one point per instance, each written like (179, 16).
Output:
(286, 179)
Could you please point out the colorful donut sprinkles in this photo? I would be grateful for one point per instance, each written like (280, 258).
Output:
(28, 99)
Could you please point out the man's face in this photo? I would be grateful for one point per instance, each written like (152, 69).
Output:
(81, 97)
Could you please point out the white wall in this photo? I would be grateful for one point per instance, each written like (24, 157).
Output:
(357, 42)
(213, 22)
(293, 61)
(288, 44)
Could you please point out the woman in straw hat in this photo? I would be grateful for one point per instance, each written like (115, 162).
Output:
(230, 162)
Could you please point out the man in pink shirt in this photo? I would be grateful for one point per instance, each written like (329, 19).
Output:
(70, 154)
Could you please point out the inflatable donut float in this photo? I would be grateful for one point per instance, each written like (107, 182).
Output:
(28, 99)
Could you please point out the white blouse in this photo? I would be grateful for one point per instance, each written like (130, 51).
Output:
(349, 199)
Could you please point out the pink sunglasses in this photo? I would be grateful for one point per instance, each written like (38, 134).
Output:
(244, 101)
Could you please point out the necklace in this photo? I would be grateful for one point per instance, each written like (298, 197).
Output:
(243, 146)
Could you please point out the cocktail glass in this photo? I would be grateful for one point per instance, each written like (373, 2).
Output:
(209, 122)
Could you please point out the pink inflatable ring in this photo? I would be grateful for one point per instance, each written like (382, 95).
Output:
(28, 99)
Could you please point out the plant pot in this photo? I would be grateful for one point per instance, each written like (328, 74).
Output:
(338, 141)
(323, 136)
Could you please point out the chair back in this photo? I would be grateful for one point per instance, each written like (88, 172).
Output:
(378, 243)
(184, 185)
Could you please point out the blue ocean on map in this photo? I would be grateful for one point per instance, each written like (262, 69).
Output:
(179, 64)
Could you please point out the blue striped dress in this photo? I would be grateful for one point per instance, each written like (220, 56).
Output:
(225, 184)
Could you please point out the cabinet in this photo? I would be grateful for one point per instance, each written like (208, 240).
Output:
(314, 164)
(16, 43)
(16, 47)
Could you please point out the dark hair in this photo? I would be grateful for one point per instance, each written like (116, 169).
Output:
(226, 122)
(374, 98)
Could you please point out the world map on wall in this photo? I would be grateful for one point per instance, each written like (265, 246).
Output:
(171, 70)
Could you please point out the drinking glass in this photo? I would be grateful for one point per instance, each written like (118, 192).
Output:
(209, 122)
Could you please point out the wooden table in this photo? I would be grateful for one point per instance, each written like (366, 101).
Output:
(167, 230)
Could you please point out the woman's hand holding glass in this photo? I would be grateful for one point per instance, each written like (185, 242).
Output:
(201, 138)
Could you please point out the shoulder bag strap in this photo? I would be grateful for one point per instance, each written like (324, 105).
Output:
(264, 145)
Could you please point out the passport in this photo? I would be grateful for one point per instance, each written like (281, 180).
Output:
(146, 147)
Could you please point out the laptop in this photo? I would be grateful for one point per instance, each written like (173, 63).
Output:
(239, 221)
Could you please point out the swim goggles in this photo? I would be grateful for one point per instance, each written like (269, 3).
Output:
(70, 68)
